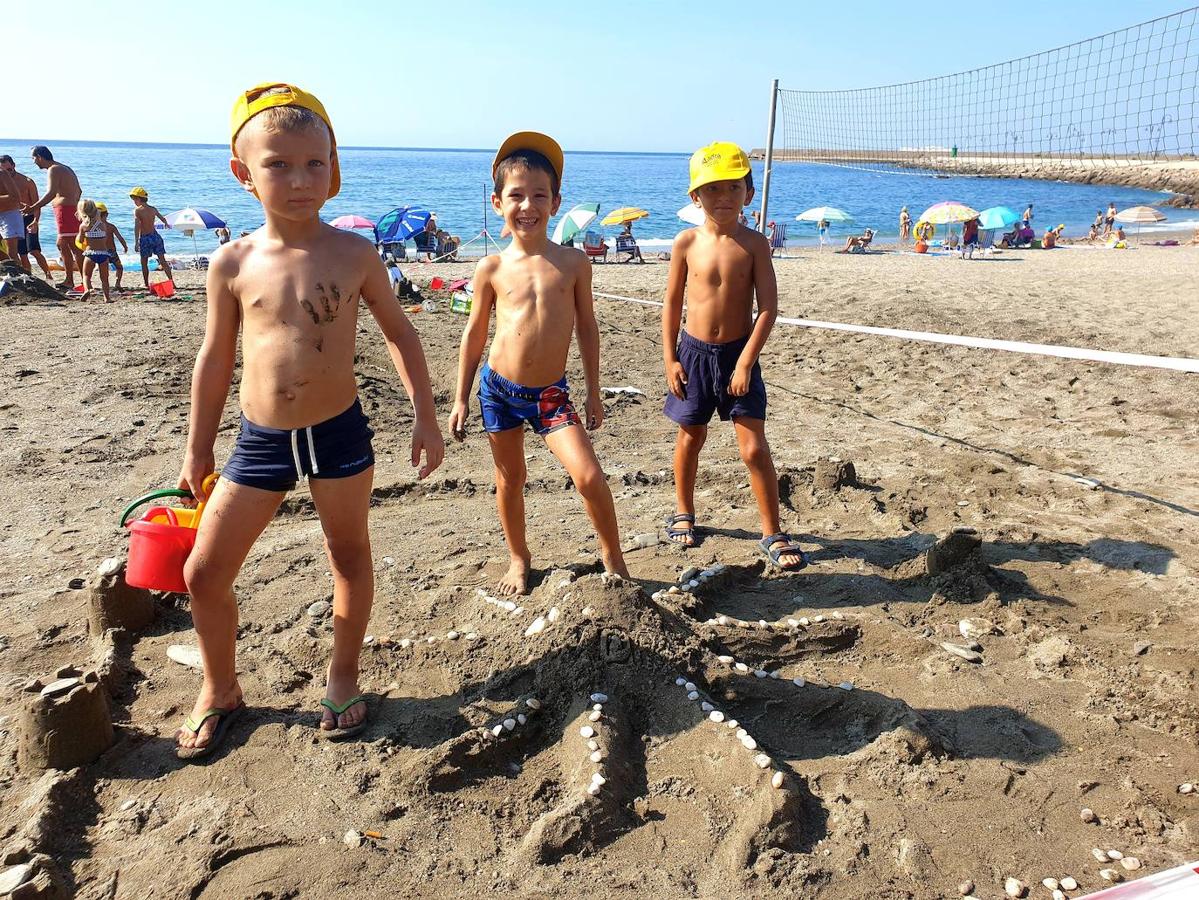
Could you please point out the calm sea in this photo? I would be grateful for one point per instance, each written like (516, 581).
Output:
(454, 184)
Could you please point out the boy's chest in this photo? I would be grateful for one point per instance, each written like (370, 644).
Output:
(534, 286)
(302, 295)
(723, 265)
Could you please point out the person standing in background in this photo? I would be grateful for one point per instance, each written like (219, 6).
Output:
(905, 226)
(62, 196)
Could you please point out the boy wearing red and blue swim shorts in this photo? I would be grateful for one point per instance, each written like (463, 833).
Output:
(541, 293)
(722, 266)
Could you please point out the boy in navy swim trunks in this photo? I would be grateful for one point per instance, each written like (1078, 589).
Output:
(541, 293)
(145, 235)
(713, 367)
(292, 289)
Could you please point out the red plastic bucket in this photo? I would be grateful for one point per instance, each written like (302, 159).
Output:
(163, 289)
(158, 551)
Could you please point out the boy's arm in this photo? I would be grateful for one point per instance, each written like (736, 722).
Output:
(767, 293)
(212, 374)
(159, 215)
(117, 234)
(474, 340)
(136, 227)
(403, 343)
(589, 344)
(672, 316)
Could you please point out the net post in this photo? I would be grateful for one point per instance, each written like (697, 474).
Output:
(774, 93)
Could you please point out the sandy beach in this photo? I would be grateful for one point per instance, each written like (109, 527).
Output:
(931, 771)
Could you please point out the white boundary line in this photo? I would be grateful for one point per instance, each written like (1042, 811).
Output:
(1180, 364)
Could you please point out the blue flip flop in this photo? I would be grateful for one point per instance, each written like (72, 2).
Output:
(224, 717)
(788, 548)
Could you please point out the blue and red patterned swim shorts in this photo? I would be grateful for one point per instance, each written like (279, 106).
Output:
(506, 404)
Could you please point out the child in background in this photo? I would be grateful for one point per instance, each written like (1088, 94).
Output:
(292, 289)
(712, 366)
(541, 293)
(96, 236)
(114, 235)
(145, 235)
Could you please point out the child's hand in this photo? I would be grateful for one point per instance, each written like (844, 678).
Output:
(457, 421)
(195, 469)
(593, 409)
(739, 383)
(676, 379)
(426, 436)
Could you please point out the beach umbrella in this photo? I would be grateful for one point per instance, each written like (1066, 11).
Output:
(624, 214)
(575, 220)
(692, 214)
(191, 219)
(1139, 215)
(947, 212)
(828, 213)
(351, 223)
(401, 223)
(997, 217)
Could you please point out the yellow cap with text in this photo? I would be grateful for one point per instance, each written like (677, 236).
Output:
(277, 93)
(719, 161)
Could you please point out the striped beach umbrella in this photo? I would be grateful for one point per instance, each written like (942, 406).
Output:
(575, 221)
(191, 219)
(827, 213)
(947, 212)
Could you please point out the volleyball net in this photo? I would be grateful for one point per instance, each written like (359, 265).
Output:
(1120, 99)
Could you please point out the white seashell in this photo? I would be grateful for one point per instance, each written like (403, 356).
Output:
(1014, 887)
(1058, 895)
(430, 640)
(597, 778)
(846, 685)
(1050, 883)
(521, 718)
(587, 731)
(536, 627)
(553, 615)
(762, 623)
(964, 652)
(1111, 875)
(963, 503)
(693, 695)
(593, 744)
(690, 686)
(723, 620)
(405, 643)
(794, 623)
(587, 610)
(533, 703)
(776, 674)
(680, 681)
(597, 697)
(595, 716)
(1099, 855)
(760, 673)
(716, 715)
(471, 636)
(1131, 863)
(598, 707)
(732, 723)
(596, 756)
(509, 724)
(1186, 788)
(727, 660)
(497, 730)
(741, 732)
(186, 655)
(452, 635)
(706, 706)
(1114, 855)
(741, 667)
(776, 780)
(518, 610)
(593, 789)
(798, 682)
(1069, 884)
(762, 761)
(508, 605)
(749, 743)
(805, 622)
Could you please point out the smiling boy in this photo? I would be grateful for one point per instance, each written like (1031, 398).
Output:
(292, 289)
(541, 293)
(721, 266)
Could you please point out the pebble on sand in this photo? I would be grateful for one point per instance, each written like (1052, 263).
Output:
(1131, 863)
(1186, 788)
(680, 681)
(185, 655)
(535, 627)
(452, 635)
(749, 743)
(109, 567)
(595, 716)
(966, 888)
(1087, 815)
(716, 715)
(497, 730)
(12, 878)
(1112, 875)
(1050, 883)
(963, 652)
(1114, 855)
(1068, 884)
(509, 724)
(693, 695)
(317, 610)
(760, 673)
(762, 761)
(1014, 887)
(352, 839)
(846, 685)
(597, 756)
(741, 667)
(533, 703)
(776, 780)
(727, 660)
(587, 731)
(597, 697)
(553, 615)
(1099, 855)
(597, 778)
(689, 686)
(521, 718)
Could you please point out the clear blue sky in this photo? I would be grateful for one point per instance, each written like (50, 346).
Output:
(597, 74)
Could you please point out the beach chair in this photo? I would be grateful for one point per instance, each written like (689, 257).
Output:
(860, 245)
(625, 243)
(778, 236)
(594, 246)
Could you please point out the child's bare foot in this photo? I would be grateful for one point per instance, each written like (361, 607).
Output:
(339, 689)
(615, 564)
(515, 580)
(209, 698)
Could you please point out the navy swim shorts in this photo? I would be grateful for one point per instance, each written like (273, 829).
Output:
(506, 404)
(151, 244)
(709, 369)
(274, 459)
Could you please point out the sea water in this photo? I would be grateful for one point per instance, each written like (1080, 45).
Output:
(455, 184)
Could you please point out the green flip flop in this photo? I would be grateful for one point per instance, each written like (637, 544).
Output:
(340, 734)
(224, 717)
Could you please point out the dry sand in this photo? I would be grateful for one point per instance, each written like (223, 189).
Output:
(932, 771)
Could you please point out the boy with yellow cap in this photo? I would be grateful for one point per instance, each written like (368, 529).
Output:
(145, 236)
(541, 293)
(292, 289)
(722, 266)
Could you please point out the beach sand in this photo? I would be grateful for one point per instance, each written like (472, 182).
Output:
(932, 771)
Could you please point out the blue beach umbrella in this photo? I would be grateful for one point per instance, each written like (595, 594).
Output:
(997, 217)
(191, 219)
(402, 223)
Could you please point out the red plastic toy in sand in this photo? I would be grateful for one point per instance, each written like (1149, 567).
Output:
(161, 540)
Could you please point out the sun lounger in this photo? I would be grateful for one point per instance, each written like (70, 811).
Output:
(594, 246)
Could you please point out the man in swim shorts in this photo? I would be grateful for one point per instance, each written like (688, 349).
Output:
(29, 245)
(145, 237)
(62, 196)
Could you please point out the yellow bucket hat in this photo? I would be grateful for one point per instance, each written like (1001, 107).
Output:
(530, 140)
(139, 192)
(719, 161)
(270, 94)
(100, 206)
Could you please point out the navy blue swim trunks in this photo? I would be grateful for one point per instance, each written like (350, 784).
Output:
(151, 245)
(709, 369)
(506, 404)
(274, 459)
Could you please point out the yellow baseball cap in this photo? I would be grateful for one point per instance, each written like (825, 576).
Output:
(270, 94)
(139, 192)
(719, 161)
(530, 140)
